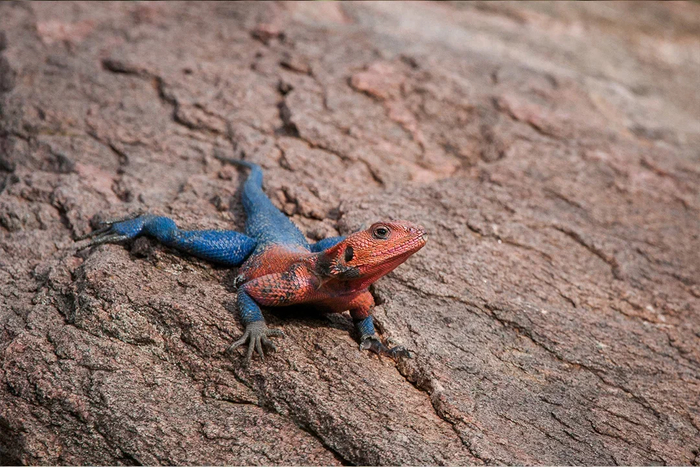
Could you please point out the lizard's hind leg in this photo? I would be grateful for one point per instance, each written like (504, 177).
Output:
(225, 247)
(105, 227)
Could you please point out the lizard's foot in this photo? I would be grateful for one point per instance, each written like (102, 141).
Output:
(257, 334)
(115, 230)
(373, 344)
(238, 281)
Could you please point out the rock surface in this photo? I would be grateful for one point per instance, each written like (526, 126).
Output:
(551, 150)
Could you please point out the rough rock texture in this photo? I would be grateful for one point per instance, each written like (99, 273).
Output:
(551, 150)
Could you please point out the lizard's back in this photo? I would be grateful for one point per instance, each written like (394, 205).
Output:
(270, 259)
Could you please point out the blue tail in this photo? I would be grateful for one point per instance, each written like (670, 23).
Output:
(265, 223)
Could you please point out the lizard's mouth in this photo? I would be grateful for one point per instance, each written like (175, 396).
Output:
(409, 247)
(417, 243)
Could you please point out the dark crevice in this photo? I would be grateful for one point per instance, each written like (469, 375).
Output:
(167, 97)
(504, 108)
(417, 379)
(7, 181)
(9, 445)
(557, 195)
(122, 157)
(288, 127)
(271, 407)
(338, 456)
(609, 259)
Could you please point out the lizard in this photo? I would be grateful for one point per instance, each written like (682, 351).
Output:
(279, 267)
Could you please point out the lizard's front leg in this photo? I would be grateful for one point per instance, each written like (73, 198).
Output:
(297, 285)
(360, 307)
(325, 244)
(256, 331)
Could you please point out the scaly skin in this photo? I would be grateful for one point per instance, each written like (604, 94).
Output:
(280, 268)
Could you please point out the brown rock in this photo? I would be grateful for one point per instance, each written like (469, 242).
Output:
(549, 148)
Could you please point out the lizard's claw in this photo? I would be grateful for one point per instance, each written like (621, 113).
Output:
(238, 281)
(114, 231)
(256, 335)
(373, 344)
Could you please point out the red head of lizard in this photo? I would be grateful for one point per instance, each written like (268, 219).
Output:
(365, 256)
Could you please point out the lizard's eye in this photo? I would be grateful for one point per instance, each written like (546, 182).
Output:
(349, 254)
(381, 232)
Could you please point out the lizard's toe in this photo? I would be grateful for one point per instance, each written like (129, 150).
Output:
(94, 233)
(256, 335)
(105, 237)
(118, 220)
(276, 333)
(373, 344)
(249, 353)
(269, 344)
(238, 281)
(114, 230)
(239, 342)
(400, 352)
(258, 347)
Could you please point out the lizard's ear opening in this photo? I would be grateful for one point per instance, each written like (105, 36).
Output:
(349, 254)
(329, 259)
(333, 263)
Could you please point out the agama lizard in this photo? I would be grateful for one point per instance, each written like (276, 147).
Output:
(279, 267)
